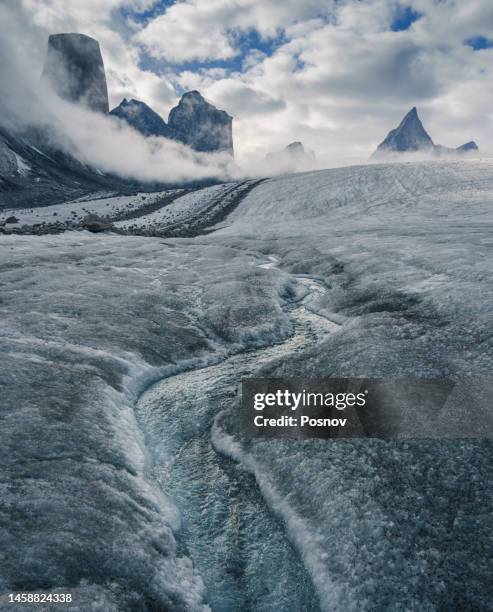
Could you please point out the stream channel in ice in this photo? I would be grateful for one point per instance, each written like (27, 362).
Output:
(238, 546)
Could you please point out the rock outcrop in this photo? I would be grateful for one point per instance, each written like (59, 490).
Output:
(74, 68)
(96, 224)
(292, 158)
(200, 125)
(142, 118)
(468, 147)
(193, 122)
(411, 137)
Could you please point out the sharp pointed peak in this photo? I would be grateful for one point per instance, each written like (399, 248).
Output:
(412, 114)
(410, 135)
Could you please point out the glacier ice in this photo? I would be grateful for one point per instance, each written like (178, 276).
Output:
(392, 266)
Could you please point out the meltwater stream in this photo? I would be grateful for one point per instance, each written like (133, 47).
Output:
(239, 548)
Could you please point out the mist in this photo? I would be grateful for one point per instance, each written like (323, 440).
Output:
(110, 145)
(105, 143)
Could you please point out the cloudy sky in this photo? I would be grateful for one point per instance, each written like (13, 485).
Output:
(335, 74)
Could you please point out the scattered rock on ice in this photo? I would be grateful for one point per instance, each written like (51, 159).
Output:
(94, 223)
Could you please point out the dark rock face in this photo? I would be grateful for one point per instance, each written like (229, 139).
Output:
(468, 146)
(52, 176)
(193, 122)
(74, 68)
(410, 135)
(142, 118)
(200, 125)
(296, 148)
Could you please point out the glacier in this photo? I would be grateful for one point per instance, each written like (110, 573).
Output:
(125, 475)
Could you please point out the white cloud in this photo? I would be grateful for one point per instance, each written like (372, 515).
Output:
(340, 85)
(93, 138)
(186, 32)
(202, 29)
(121, 58)
(339, 78)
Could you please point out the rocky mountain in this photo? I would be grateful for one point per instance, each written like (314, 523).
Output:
(35, 173)
(410, 136)
(194, 122)
(74, 68)
(293, 158)
(200, 125)
(468, 146)
(142, 118)
(295, 148)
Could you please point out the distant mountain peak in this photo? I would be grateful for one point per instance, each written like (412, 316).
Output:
(194, 122)
(193, 95)
(293, 158)
(468, 146)
(199, 124)
(295, 147)
(410, 135)
(74, 68)
(141, 117)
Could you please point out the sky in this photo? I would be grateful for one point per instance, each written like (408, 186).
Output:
(334, 74)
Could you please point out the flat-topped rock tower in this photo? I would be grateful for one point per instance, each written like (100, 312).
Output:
(74, 68)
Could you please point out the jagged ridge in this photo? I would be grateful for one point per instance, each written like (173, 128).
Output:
(194, 122)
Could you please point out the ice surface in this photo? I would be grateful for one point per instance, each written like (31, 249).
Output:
(393, 264)
(76, 210)
(87, 322)
(191, 203)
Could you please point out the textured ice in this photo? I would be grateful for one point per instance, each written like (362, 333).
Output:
(181, 208)
(396, 258)
(76, 210)
(88, 322)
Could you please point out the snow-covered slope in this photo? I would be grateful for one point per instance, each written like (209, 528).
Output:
(101, 204)
(192, 212)
(382, 270)
(366, 195)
